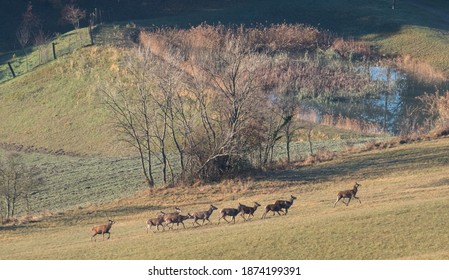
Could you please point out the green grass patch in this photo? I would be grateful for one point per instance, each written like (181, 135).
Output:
(28, 59)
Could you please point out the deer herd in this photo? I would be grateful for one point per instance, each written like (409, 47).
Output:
(169, 219)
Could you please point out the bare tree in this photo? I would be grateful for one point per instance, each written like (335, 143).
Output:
(27, 29)
(23, 36)
(17, 181)
(281, 91)
(73, 15)
(41, 41)
(228, 93)
(130, 105)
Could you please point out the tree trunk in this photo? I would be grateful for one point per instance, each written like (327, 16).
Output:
(309, 138)
(287, 141)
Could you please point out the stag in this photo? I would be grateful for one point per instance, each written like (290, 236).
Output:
(348, 194)
(102, 230)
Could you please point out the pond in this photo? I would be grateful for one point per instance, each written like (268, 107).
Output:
(395, 111)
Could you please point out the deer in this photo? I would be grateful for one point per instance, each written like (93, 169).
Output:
(232, 212)
(102, 230)
(203, 215)
(248, 210)
(275, 208)
(348, 194)
(171, 219)
(177, 209)
(285, 204)
(158, 221)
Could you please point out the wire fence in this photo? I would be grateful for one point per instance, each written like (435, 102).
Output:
(19, 62)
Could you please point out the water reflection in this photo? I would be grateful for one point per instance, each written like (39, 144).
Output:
(395, 110)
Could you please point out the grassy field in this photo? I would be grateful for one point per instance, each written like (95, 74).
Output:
(86, 180)
(58, 106)
(404, 203)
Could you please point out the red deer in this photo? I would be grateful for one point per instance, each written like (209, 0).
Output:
(285, 204)
(158, 221)
(348, 194)
(272, 207)
(173, 214)
(232, 212)
(248, 210)
(178, 219)
(203, 215)
(102, 230)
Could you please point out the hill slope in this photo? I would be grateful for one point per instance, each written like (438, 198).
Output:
(404, 201)
(57, 106)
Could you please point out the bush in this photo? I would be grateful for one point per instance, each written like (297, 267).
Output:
(437, 106)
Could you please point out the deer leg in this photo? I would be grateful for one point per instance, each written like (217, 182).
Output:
(358, 199)
(243, 216)
(349, 199)
(338, 199)
(93, 237)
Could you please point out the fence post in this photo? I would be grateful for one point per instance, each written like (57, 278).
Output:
(12, 70)
(54, 50)
(91, 35)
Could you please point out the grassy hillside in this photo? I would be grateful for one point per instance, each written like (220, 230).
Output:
(403, 196)
(57, 106)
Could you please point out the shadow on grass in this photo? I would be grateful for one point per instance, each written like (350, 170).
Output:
(10, 228)
(366, 165)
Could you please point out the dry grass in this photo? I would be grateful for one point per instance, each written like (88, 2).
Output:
(421, 71)
(403, 203)
(351, 48)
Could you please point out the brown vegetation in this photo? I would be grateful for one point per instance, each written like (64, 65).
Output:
(421, 71)
(437, 105)
(222, 97)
